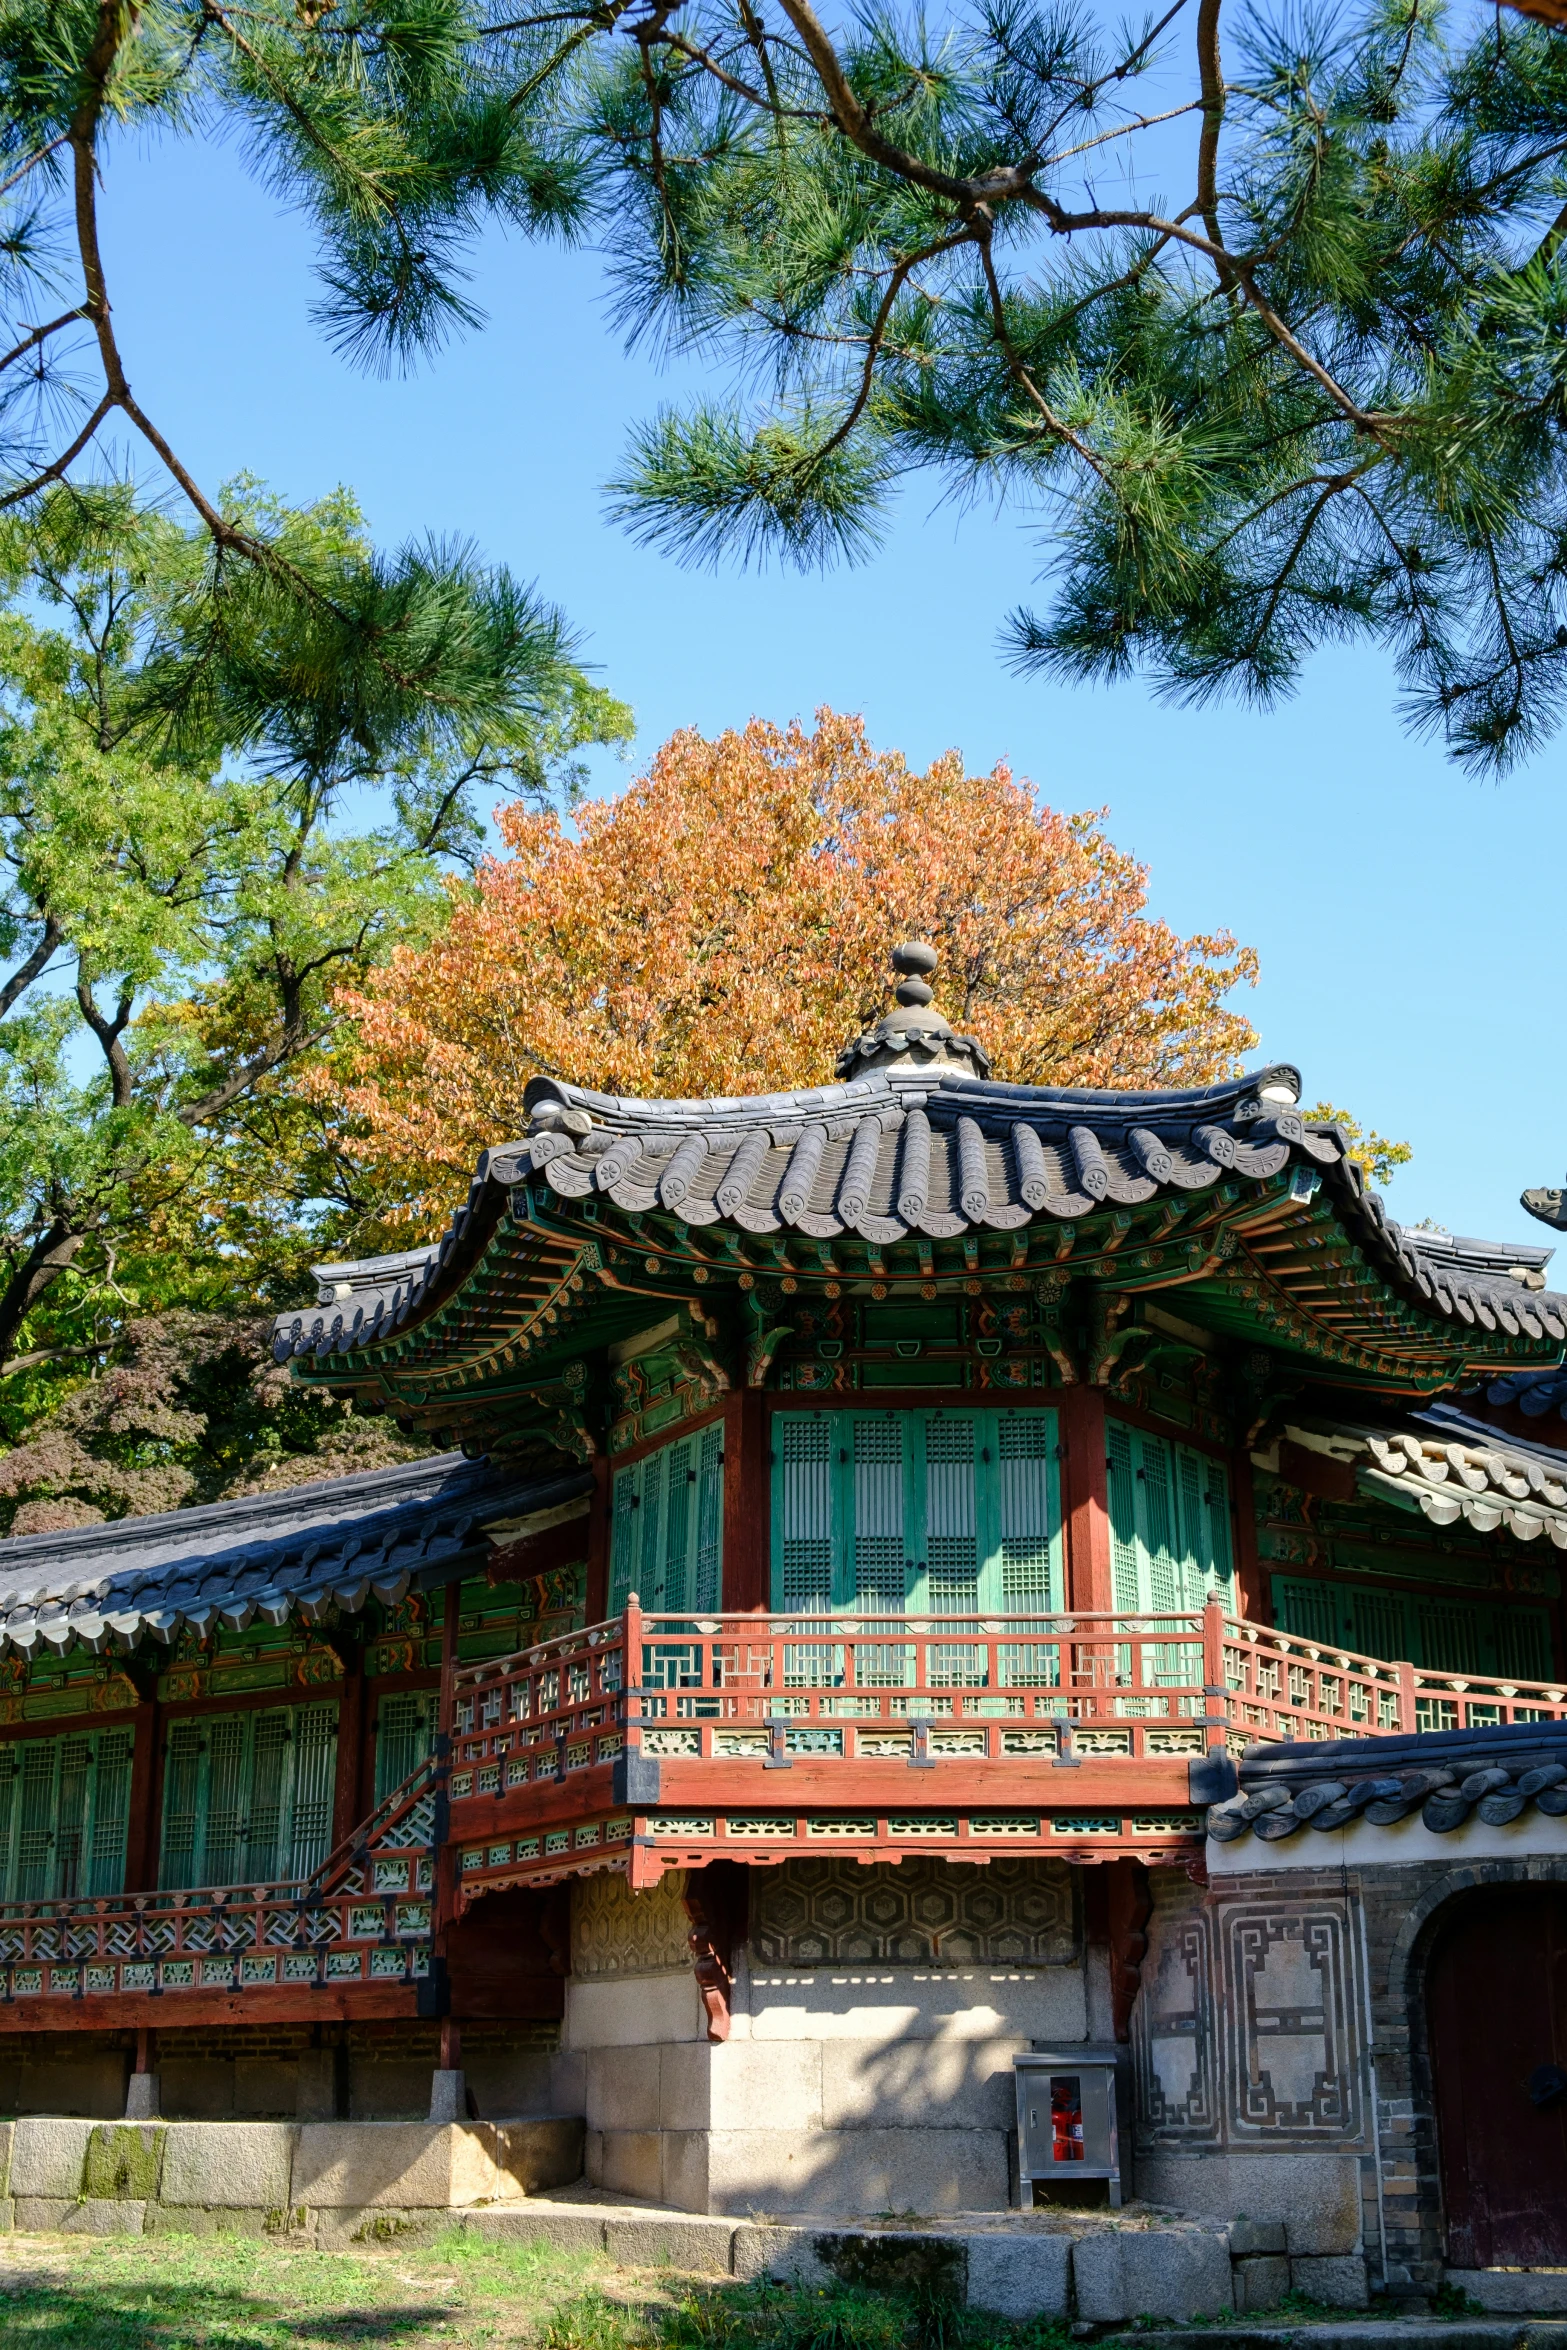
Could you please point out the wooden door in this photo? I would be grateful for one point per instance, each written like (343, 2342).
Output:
(1496, 2007)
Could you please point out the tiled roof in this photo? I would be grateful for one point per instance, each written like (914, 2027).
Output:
(343, 1541)
(915, 1152)
(1534, 1393)
(1449, 1465)
(1493, 1775)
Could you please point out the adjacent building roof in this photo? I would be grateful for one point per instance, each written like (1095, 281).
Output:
(338, 1543)
(1534, 1393)
(1448, 1776)
(1448, 1465)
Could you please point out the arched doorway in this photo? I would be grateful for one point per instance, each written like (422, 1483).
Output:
(1496, 2010)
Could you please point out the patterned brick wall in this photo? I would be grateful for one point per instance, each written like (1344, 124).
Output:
(919, 1912)
(1250, 2032)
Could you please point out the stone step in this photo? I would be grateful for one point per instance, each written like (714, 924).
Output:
(1386, 2333)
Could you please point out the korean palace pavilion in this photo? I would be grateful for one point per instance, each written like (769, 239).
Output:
(952, 1630)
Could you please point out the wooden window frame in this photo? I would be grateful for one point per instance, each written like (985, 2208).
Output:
(96, 1875)
(640, 1560)
(1139, 1559)
(916, 1420)
(287, 1835)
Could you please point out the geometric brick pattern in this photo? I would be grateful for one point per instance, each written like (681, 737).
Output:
(1292, 2009)
(915, 1912)
(1248, 2031)
(617, 1932)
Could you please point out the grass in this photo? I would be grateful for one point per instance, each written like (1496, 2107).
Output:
(245, 2293)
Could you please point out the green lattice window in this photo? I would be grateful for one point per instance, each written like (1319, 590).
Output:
(1444, 1635)
(405, 1725)
(64, 1803)
(934, 1512)
(247, 1797)
(1169, 1523)
(667, 1543)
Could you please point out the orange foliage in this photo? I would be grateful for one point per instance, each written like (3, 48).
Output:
(724, 927)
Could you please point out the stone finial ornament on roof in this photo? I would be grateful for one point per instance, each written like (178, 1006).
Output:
(915, 1035)
(1546, 1206)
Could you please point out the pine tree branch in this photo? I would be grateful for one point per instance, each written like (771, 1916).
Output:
(873, 347)
(40, 155)
(63, 463)
(41, 334)
(1212, 116)
(1053, 423)
(1123, 130)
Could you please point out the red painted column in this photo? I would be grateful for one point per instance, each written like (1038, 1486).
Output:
(1085, 1501)
(346, 1811)
(142, 1831)
(597, 1602)
(451, 1598)
(747, 1502)
(445, 1852)
(1250, 1580)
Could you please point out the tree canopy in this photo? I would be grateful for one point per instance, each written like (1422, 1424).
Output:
(183, 887)
(1315, 392)
(724, 926)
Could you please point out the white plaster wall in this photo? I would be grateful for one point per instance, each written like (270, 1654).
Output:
(840, 2090)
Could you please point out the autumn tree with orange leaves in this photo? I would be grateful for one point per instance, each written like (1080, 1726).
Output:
(724, 927)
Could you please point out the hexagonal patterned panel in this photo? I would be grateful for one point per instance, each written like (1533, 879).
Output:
(617, 1932)
(914, 1912)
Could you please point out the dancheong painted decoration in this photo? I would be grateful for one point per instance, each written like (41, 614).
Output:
(919, 1523)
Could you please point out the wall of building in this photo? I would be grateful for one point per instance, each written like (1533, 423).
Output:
(874, 2019)
(1279, 2038)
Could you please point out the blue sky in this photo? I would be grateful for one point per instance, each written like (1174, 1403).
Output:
(1410, 965)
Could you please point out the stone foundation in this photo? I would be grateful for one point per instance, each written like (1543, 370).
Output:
(852, 2080)
(337, 2183)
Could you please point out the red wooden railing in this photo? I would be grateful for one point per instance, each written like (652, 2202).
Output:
(1135, 1687)
(364, 1917)
(829, 1698)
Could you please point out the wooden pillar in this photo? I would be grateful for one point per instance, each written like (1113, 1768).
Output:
(1085, 1501)
(142, 1827)
(597, 1602)
(747, 1502)
(1251, 1582)
(347, 1808)
(445, 1854)
(451, 1598)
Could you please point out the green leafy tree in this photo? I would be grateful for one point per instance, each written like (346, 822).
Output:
(182, 889)
(189, 1407)
(1379, 1158)
(1316, 392)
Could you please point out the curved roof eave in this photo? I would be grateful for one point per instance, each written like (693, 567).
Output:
(912, 1154)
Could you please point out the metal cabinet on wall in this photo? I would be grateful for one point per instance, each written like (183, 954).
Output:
(64, 1806)
(247, 1797)
(668, 1525)
(931, 1512)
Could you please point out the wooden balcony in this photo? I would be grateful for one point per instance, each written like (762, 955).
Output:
(654, 1742)
(352, 1941)
(745, 1737)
